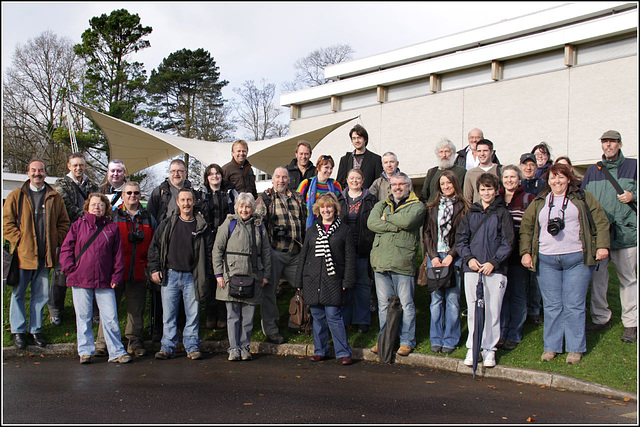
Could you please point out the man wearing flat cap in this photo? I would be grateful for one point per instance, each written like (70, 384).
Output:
(616, 192)
(529, 166)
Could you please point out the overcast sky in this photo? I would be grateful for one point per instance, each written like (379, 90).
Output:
(251, 41)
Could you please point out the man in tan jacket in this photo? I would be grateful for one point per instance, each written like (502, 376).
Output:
(35, 222)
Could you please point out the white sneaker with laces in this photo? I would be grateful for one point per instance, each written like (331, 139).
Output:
(468, 360)
(488, 358)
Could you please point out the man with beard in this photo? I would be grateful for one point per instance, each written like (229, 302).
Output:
(444, 150)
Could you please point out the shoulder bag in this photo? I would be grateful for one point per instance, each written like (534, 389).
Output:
(243, 285)
(11, 267)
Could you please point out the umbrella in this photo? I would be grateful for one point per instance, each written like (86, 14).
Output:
(478, 324)
(389, 333)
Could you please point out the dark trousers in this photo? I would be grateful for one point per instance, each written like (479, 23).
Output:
(136, 294)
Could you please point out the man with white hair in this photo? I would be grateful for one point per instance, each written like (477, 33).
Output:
(381, 187)
(396, 223)
(444, 149)
(285, 219)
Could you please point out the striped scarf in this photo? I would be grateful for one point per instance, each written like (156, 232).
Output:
(446, 223)
(322, 245)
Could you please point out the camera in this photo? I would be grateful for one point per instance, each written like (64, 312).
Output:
(136, 236)
(555, 226)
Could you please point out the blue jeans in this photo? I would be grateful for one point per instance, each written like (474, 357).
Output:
(390, 284)
(239, 324)
(357, 309)
(180, 282)
(329, 318)
(564, 281)
(39, 280)
(514, 305)
(83, 305)
(445, 318)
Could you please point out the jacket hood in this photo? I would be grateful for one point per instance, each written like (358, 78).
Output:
(613, 163)
(95, 220)
(365, 193)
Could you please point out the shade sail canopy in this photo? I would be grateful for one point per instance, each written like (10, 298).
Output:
(139, 147)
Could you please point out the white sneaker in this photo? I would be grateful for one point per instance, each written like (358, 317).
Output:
(469, 359)
(488, 358)
(234, 354)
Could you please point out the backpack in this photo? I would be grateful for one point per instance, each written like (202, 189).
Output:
(299, 315)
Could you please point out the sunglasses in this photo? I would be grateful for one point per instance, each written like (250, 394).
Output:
(136, 193)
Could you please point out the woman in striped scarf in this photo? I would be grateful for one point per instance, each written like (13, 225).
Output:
(444, 214)
(311, 189)
(326, 270)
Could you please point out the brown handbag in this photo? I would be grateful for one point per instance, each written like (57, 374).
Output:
(422, 273)
(299, 314)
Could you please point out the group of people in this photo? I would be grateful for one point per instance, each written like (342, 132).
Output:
(533, 234)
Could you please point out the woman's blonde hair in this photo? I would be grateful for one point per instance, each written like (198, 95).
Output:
(326, 199)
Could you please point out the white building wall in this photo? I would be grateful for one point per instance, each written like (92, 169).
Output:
(570, 109)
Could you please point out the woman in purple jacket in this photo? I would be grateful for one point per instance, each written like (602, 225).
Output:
(95, 267)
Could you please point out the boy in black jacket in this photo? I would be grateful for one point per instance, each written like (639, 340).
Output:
(484, 241)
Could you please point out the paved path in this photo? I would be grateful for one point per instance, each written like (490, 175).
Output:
(281, 389)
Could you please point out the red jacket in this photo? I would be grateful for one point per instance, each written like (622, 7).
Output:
(145, 222)
(102, 263)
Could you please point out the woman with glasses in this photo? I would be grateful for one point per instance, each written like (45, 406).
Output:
(215, 200)
(311, 189)
(543, 159)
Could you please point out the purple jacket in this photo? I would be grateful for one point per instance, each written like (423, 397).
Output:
(102, 263)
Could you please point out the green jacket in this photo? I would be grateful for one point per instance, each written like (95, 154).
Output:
(624, 225)
(240, 241)
(592, 237)
(397, 237)
(159, 249)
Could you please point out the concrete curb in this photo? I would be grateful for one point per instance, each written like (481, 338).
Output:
(520, 375)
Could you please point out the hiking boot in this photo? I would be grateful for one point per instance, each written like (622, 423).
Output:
(221, 325)
(275, 338)
(100, 352)
(574, 358)
(125, 358)
(436, 348)
(536, 319)
(404, 350)
(488, 358)
(363, 329)
(234, 354)
(194, 355)
(374, 349)
(500, 343)
(56, 320)
(468, 360)
(630, 334)
(20, 341)
(163, 355)
(448, 350)
(210, 323)
(593, 327)
(509, 345)
(548, 356)
(84, 359)
(139, 352)
(245, 354)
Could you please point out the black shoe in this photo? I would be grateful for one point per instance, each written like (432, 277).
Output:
(630, 334)
(275, 338)
(363, 329)
(39, 340)
(536, 319)
(509, 345)
(500, 343)
(436, 348)
(593, 327)
(210, 323)
(448, 350)
(56, 320)
(19, 340)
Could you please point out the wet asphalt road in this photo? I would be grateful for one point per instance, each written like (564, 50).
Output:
(277, 389)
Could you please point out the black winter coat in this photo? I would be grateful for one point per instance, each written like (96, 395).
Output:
(296, 177)
(371, 168)
(318, 288)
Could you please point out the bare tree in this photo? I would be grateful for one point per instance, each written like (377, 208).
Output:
(45, 72)
(310, 69)
(255, 109)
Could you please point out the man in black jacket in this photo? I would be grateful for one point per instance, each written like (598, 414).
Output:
(368, 162)
(301, 167)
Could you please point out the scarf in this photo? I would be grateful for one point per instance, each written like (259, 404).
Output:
(446, 223)
(322, 245)
(311, 197)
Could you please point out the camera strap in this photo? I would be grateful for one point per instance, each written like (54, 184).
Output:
(565, 202)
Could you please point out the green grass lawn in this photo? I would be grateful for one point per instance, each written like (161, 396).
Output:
(608, 360)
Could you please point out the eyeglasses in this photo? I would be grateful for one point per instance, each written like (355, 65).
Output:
(176, 172)
(135, 193)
